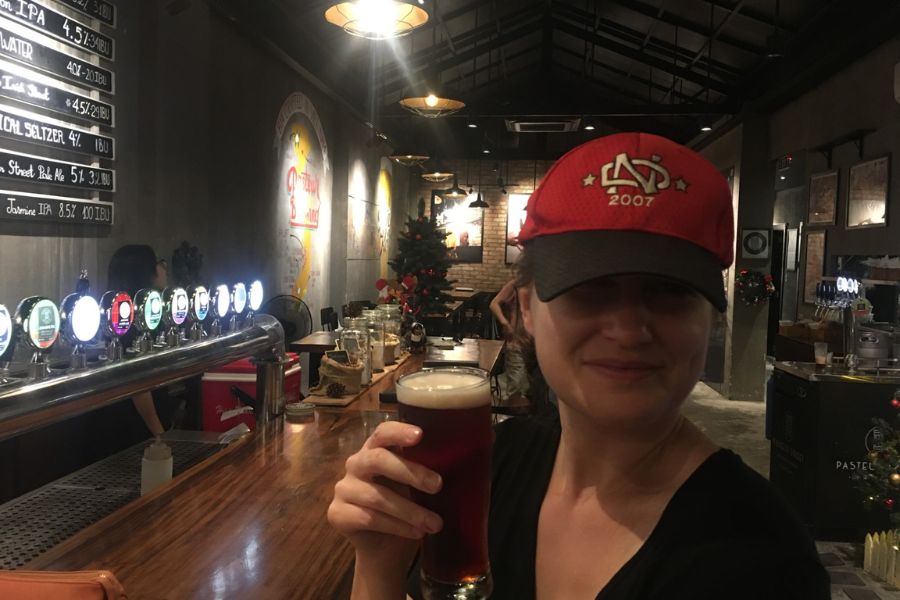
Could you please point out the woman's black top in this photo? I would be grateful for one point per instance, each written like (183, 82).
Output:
(726, 533)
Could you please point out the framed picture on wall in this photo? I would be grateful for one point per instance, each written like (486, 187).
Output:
(823, 194)
(515, 219)
(464, 226)
(814, 265)
(867, 193)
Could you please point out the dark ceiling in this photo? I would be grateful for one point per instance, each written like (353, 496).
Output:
(664, 66)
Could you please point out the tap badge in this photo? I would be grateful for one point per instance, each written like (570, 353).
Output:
(5, 329)
(648, 176)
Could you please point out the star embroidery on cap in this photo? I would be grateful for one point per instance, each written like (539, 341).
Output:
(589, 180)
(681, 185)
(656, 158)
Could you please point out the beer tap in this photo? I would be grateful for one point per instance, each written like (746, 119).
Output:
(117, 316)
(221, 303)
(199, 309)
(37, 319)
(238, 305)
(80, 321)
(175, 313)
(7, 343)
(148, 314)
(255, 300)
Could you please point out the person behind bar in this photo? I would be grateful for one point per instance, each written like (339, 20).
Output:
(505, 308)
(622, 497)
(132, 268)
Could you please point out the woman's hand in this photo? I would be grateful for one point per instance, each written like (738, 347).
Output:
(371, 504)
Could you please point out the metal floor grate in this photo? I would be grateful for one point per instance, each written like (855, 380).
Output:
(35, 522)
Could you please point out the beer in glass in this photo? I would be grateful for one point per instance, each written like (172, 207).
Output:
(452, 406)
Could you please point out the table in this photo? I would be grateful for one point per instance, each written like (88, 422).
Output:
(250, 521)
(247, 523)
(317, 341)
(463, 295)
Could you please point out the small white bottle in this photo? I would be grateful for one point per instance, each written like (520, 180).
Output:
(156, 466)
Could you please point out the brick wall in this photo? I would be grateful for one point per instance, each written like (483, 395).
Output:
(492, 272)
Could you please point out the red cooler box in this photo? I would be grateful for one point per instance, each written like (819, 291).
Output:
(218, 397)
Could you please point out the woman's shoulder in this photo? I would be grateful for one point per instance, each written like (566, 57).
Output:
(734, 498)
(728, 522)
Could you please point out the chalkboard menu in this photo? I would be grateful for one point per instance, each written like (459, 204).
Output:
(56, 110)
(41, 207)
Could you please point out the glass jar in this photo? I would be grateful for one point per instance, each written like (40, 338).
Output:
(355, 341)
(375, 329)
(392, 324)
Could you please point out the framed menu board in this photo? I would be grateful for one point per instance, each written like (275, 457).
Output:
(57, 112)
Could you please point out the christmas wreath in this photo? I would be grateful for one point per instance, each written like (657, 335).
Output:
(754, 287)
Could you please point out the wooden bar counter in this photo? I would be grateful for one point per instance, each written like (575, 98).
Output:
(249, 522)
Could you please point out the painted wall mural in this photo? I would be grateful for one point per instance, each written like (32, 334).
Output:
(304, 201)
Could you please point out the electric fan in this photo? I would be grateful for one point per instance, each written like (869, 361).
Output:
(292, 313)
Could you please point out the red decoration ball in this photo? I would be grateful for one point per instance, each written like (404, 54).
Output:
(424, 292)
(418, 236)
(895, 402)
(889, 503)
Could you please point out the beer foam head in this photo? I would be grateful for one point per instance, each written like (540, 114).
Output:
(444, 388)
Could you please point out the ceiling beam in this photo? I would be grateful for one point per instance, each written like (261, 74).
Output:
(714, 34)
(624, 76)
(422, 59)
(618, 31)
(675, 20)
(464, 56)
(750, 13)
(642, 57)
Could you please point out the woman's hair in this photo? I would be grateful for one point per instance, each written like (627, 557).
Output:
(132, 268)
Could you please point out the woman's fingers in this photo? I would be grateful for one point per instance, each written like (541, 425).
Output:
(379, 499)
(352, 519)
(381, 462)
(376, 460)
(394, 433)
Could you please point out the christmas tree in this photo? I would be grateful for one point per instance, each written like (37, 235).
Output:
(880, 485)
(422, 265)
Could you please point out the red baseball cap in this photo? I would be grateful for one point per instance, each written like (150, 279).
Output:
(631, 203)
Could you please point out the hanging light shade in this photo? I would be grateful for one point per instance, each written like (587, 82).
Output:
(437, 175)
(456, 191)
(409, 160)
(479, 202)
(432, 106)
(377, 19)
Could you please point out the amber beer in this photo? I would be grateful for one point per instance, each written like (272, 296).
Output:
(452, 406)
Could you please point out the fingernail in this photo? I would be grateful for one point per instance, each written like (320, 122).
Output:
(415, 434)
(433, 482)
(433, 525)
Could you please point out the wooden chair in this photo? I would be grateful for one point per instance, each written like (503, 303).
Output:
(60, 585)
(328, 318)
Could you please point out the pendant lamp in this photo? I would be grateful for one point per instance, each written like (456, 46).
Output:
(377, 19)
(409, 160)
(455, 192)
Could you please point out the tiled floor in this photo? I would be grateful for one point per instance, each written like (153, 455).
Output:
(741, 427)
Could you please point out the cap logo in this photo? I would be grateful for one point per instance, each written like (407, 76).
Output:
(656, 178)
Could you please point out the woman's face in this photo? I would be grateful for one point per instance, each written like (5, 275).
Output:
(162, 275)
(624, 350)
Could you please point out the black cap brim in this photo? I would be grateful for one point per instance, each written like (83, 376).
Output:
(565, 260)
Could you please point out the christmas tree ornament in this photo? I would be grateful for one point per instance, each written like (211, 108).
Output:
(889, 503)
(895, 402)
(895, 479)
(873, 455)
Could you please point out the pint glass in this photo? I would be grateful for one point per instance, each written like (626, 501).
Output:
(452, 406)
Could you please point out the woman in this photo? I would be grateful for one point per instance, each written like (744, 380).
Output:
(132, 268)
(505, 308)
(622, 498)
